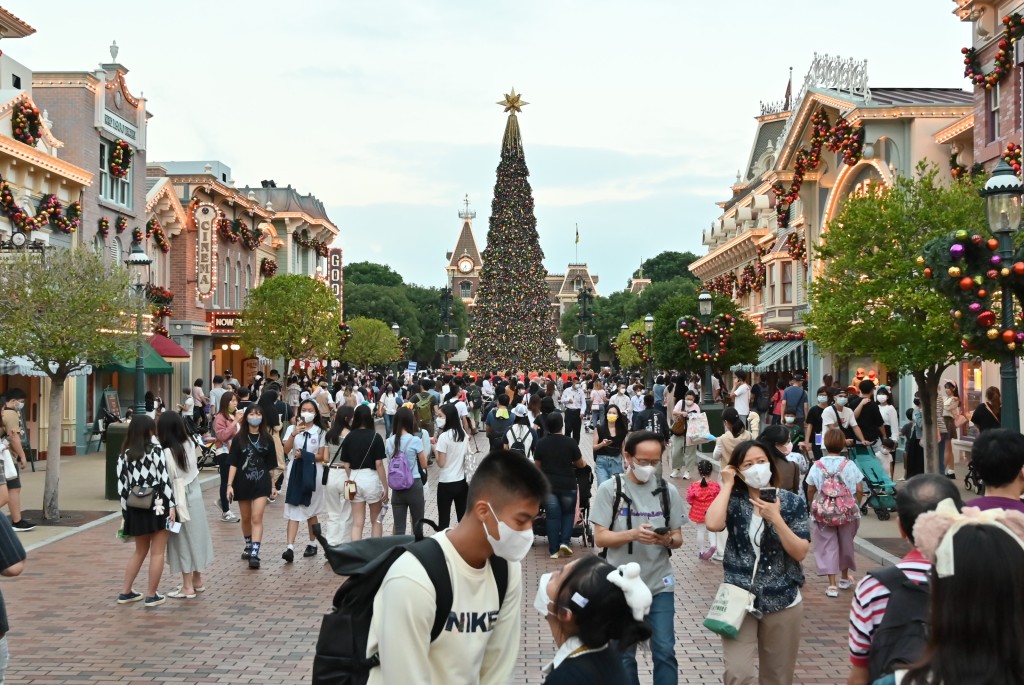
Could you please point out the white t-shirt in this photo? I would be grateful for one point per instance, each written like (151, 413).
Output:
(454, 469)
(892, 420)
(831, 416)
(480, 643)
(741, 400)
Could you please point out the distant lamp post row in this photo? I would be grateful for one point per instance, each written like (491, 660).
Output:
(139, 262)
(446, 342)
(705, 309)
(585, 342)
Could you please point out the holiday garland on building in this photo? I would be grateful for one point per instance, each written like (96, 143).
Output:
(796, 246)
(762, 269)
(1012, 155)
(121, 224)
(969, 271)
(748, 277)
(160, 300)
(842, 138)
(513, 325)
(319, 246)
(154, 229)
(26, 126)
(268, 267)
(103, 226)
(121, 159)
(50, 212)
(775, 336)
(1013, 29)
(960, 171)
(222, 224)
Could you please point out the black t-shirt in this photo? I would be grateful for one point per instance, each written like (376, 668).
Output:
(614, 449)
(261, 453)
(602, 667)
(557, 455)
(870, 420)
(814, 418)
(362, 449)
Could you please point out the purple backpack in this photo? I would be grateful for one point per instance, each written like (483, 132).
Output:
(399, 472)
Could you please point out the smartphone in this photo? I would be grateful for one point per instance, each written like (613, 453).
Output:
(661, 531)
(769, 494)
(174, 527)
(817, 439)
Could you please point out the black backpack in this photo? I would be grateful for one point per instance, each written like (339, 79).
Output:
(655, 423)
(344, 632)
(902, 636)
(764, 398)
(666, 508)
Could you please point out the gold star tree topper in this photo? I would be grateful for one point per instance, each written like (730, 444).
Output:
(513, 102)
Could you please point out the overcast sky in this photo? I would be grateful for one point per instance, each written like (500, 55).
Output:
(641, 113)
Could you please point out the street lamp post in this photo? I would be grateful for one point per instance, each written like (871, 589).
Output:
(1002, 195)
(585, 342)
(138, 261)
(705, 308)
(446, 343)
(397, 330)
(623, 328)
(649, 327)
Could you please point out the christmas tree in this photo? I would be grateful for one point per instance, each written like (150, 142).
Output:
(513, 325)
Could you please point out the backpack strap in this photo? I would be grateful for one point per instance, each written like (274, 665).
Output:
(429, 553)
(619, 496)
(499, 569)
(666, 504)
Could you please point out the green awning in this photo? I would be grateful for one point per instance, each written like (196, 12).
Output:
(154, 363)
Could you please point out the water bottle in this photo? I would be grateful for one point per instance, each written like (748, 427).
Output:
(383, 513)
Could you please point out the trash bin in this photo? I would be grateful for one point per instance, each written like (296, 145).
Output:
(115, 440)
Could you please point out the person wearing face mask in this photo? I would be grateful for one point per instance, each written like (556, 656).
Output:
(623, 402)
(768, 540)
(638, 518)
(11, 435)
(841, 416)
(480, 642)
(225, 426)
(252, 458)
(608, 441)
(891, 419)
(572, 400)
(305, 498)
(812, 425)
(405, 443)
(587, 604)
(789, 465)
(684, 454)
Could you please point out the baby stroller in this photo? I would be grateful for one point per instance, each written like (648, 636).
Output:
(880, 490)
(972, 481)
(581, 523)
(204, 445)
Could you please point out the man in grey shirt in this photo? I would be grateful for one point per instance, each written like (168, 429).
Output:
(640, 531)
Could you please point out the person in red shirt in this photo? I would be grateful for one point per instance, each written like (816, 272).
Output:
(699, 496)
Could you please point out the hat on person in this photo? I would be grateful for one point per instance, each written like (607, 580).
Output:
(519, 410)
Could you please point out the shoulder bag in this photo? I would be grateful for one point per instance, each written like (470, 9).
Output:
(730, 606)
(327, 468)
(178, 485)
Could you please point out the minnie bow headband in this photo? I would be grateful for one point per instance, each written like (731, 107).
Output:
(934, 531)
(638, 595)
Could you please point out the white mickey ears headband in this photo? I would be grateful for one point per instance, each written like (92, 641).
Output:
(638, 595)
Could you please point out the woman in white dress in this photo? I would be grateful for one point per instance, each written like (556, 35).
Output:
(306, 435)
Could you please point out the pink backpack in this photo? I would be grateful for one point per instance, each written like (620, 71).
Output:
(834, 504)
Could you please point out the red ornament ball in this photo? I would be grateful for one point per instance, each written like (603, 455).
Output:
(1018, 268)
(1009, 336)
(992, 273)
(993, 244)
(966, 283)
(986, 318)
(928, 273)
(982, 293)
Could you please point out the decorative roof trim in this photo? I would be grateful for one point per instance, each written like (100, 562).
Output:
(959, 126)
(753, 235)
(164, 189)
(31, 155)
(13, 27)
(209, 184)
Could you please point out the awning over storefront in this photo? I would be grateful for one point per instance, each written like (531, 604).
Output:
(168, 349)
(154, 363)
(20, 366)
(785, 355)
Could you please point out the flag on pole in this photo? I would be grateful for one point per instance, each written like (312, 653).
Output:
(577, 234)
(789, 92)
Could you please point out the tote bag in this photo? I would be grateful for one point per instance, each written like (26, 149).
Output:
(730, 606)
(697, 429)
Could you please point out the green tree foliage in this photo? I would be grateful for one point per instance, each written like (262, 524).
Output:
(370, 273)
(671, 352)
(628, 356)
(427, 304)
(291, 317)
(871, 301)
(667, 266)
(63, 310)
(372, 344)
(512, 325)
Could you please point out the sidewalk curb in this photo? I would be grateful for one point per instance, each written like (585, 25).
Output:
(113, 516)
(875, 553)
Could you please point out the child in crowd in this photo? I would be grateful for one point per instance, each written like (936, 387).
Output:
(699, 497)
(885, 455)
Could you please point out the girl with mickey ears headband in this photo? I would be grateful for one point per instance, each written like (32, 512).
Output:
(977, 598)
(587, 604)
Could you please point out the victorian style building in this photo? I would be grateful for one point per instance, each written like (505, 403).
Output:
(808, 154)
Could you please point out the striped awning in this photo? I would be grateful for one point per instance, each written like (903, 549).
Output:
(784, 355)
(21, 366)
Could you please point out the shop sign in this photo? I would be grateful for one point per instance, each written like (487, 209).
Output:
(206, 250)
(335, 272)
(223, 322)
(120, 127)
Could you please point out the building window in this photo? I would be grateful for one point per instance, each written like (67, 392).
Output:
(16, 81)
(248, 281)
(787, 283)
(577, 284)
(993, 113)
(225, 298)
(113, 189)
(770, 287)
(238, 285)
(115, 251)
(466, 290)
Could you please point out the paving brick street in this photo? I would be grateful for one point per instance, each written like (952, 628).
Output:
(262, 626)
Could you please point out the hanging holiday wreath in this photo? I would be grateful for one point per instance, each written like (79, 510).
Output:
(154, 229)
(1013, 29)
(639, 342)
(18, 217)
(691, 330)
(318, 246)
(796, 247)
(70, 220)
(121, 159)
(268, 267)
(103, 226)
(26, 126)
(121, 224)
(1012, 155)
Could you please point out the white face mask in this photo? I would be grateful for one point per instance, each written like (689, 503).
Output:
(758, 476)
(642, 473)
(787, 448)
(689, 403)
(822, 398)
(439, 421)
(255, 420)
(541, 601)
(841, 401)
(308, 416)
(882, 399)
(512, 544)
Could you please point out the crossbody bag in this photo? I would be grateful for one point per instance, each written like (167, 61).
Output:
(327, 469)
(730, 606)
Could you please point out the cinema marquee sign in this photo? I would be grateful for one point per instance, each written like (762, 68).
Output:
(206, 250)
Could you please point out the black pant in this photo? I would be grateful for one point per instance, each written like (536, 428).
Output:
(573, 424)
(448, 494)
(224, 467)
(913, 458)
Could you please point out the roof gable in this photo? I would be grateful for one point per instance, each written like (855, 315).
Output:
(465, 246)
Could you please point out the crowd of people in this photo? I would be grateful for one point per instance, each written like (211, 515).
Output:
(505, 449)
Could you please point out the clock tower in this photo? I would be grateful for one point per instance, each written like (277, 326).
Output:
(464, 262)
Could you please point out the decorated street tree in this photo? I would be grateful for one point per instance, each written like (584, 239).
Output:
(64, 310)
(675, 350)
(372, 344)
(871, 300)
(627, 353)
(512, 324)
(291, 317)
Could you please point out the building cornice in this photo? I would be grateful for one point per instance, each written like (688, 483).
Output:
(18, 150)
(739, 249)
(12, 27)
(65, 79)
(962, 125)
(211, 186)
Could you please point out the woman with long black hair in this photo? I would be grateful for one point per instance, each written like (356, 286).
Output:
(190, 550)
(362, 453)
(406, 444)
(306, 452)
(252, 459)
(451, 448)
(225, 426)
(142, 463)
(338, 527)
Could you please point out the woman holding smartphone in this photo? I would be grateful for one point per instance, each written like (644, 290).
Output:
(608, 440)
(306, 436)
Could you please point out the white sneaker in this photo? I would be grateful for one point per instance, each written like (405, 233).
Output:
(229, 517)
(686, 475)
(674, 474)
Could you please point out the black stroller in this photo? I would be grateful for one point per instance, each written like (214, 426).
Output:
(581, 528)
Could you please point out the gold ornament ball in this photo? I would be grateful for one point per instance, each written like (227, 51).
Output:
(992, 333)
(1004, 272)
(958, 314)
(1011, 346)
(954, 272)
(920, 261)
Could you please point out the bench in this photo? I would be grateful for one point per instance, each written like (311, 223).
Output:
(962, 450)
